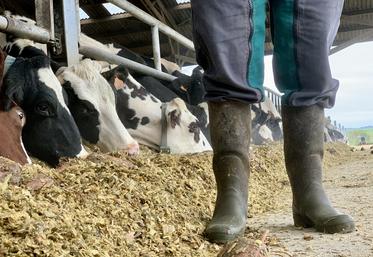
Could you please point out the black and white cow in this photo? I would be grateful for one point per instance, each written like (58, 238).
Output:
(266, 123)
(50, 131)
(189, 88)
(164, 94)
(92, 104)
(141, 114)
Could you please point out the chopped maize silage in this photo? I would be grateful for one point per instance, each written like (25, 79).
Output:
(114, 205)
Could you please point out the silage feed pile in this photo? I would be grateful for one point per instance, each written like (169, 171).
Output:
(114, 205)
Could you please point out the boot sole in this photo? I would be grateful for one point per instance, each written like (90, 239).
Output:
(222, 238)
(341, 224)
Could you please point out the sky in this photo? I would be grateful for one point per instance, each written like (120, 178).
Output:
(353, 67)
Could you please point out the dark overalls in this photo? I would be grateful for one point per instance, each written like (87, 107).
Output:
(229, 40)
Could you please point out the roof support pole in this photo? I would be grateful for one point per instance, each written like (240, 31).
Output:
(156, 48)
(44, 17)
(150, 20)
(72, 28)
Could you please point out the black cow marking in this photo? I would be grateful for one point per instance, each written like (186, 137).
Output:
(84, 114)
(126, 53)
(144, 121)
(137, 92)
(175, 118)
(126, 114)
(194, 128)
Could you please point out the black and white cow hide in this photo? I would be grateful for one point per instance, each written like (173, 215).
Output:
(141, 113)
(164, 94)
(266, 123)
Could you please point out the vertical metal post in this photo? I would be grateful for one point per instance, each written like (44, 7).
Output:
(71, 27)
(156, 48)
(44, 17)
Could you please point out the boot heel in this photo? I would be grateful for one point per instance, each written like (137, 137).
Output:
(302, 221)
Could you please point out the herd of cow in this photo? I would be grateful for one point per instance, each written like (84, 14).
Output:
(48, 110)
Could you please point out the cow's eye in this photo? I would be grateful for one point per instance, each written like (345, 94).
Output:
(44, 109)
(86, 110)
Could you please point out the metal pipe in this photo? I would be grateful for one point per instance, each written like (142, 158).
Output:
(148, 19)
(156, 48)
(23, 30)
(104, 55)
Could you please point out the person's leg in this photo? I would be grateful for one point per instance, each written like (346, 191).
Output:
(228, 36)
(302, 32)
(229, 41)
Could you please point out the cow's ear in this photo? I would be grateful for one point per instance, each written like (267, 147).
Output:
(119, 83)
(15, 82)
(122, 73)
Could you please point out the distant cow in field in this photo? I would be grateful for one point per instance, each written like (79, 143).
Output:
(142, 114)
(92, 104)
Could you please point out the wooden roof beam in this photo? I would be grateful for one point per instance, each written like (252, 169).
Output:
(106, 19)
(357, 19)
(357, 12)
(367, 35)
(182, 6)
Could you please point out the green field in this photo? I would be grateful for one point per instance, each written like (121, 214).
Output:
(354, 136)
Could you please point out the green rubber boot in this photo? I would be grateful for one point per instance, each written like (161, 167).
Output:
(304, 150)
(230, 124)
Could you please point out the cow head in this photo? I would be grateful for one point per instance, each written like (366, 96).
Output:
(11, 124)
(50, 131)
(183, 132)
(197, 90)
(141, 113)
(92, 104)
(189, 88)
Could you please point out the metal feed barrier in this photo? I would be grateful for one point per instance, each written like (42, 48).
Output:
(46, 34)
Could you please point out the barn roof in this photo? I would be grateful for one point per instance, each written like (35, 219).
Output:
(124, 29)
